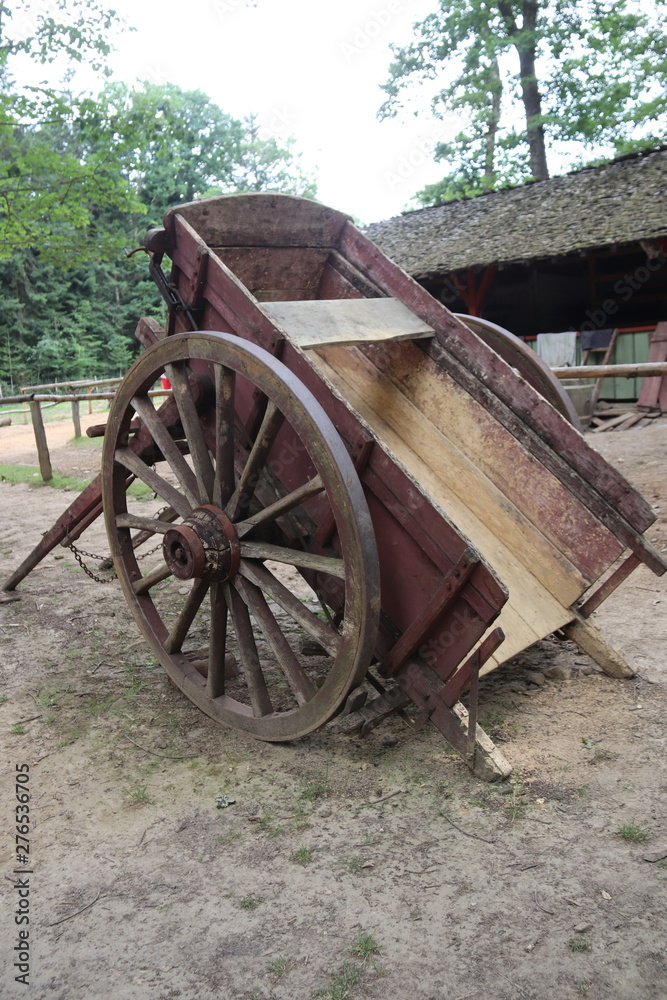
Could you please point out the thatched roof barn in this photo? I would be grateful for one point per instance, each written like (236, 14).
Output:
(586, 249)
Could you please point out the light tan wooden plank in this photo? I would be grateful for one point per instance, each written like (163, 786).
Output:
(495, 453)
(347, 321)
(455, 482)
(532, 611)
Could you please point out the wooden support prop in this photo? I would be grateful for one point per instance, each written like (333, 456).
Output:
(149, 331)
(76, 418)
(40, 441)
(372, 713)
(590, 641)
(459, 681)
(653, 392)
(609, 586)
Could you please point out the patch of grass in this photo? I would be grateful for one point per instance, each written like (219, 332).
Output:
(491, 717)
(31, 475)
(582, 989)
(139, 795)
(514, 805)
(354, 864)
(341, 983)
(279, 967)
(3, 698)
(223, 838)
(18, 729)
(633, 832)
(317, 788)
(302, 856)
(365, 945)
(250, 902)
(579, 944)
(663, 863)
(603, 753)
(268, 826)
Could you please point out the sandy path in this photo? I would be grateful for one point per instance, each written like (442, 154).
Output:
(141, 889)
(17, 442)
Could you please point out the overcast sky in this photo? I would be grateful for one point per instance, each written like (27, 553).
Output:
(308, 69)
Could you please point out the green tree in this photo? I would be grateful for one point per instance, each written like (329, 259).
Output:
(588, 72)
(265, 165)
(48, 185)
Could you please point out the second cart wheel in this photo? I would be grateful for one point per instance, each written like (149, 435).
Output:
(261, 496)
(530, 365)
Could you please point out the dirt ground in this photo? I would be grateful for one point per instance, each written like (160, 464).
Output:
(374, 868)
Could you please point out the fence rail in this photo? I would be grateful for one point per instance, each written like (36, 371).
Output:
(31, 399)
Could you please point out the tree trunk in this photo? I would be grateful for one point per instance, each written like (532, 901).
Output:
(530, 92)
(494, 121)
(525, 43)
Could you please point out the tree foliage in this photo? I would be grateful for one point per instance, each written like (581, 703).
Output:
(82, 176)
(530, 77)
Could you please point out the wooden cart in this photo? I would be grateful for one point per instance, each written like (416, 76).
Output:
(329, 417)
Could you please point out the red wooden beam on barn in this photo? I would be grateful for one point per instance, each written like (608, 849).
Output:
(475, 295)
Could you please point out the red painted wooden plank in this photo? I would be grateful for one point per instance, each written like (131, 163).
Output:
(351, 277)
(518, 474)
(224, 291)
(276, 273)
(652, 388)
(260, 220)
(425, 623)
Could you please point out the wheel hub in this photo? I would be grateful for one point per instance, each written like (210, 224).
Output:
(204, 545)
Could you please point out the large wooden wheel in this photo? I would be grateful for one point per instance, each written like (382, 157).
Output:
(260, 496)
(527, 362)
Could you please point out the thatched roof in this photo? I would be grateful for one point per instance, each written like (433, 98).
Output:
(618, 203)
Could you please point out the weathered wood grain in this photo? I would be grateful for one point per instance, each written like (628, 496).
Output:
(347, 321)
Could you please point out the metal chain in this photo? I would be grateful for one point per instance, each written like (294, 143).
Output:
(79, 553)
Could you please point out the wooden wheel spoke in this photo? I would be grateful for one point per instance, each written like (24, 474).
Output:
(143, 406)
(259, 695)
(149, 525)
(176, 638)
(282, 506)
(225, 385)
(131, 461)
(294, 557)
(263, 578)
(215, 684)
(298, 679)
(177, 375)
(151, 579)
(243, 494)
